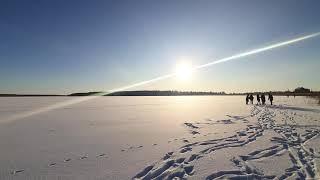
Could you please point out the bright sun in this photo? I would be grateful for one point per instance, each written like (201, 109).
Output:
(184, 70)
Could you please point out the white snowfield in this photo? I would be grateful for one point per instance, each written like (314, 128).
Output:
(194, 137)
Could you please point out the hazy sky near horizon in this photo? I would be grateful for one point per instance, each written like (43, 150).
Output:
(72, 46)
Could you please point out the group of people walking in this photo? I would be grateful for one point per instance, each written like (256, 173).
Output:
(261, 98)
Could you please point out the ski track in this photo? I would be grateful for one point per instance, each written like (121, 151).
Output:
(180, 164)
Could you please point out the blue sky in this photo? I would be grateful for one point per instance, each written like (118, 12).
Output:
(70, 46)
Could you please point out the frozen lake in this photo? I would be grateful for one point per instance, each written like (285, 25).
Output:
(117, 137)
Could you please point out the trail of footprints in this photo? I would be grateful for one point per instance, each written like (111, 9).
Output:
(291, 142)
(83, 157)
(180, 164)
(66, 160)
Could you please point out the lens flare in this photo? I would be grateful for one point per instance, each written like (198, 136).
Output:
(259, 50)
(185, 71)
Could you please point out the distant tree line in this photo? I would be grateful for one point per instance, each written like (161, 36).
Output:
(92, 93)
(300, 91)
(164, 93)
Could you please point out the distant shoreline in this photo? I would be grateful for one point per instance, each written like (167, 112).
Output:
(160, 93)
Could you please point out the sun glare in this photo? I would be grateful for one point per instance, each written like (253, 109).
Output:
(184, 70)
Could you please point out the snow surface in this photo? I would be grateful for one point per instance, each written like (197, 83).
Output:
(191, 137)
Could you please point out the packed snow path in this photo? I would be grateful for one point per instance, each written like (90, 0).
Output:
(286, 137)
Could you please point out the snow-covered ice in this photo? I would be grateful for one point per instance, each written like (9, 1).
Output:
(191, 137)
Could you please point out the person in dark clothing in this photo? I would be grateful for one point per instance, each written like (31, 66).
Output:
(247, 99)
(258, 99)
(270, 97)
(251, 98)
(263, 99)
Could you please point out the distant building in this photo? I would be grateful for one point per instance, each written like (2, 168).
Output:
(302, 90)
